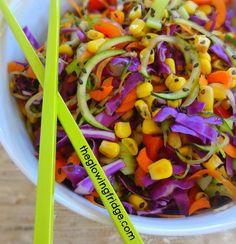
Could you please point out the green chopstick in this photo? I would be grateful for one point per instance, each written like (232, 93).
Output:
(117, 212)
(44, 215)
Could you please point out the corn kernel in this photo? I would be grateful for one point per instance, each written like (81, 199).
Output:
(174, 104)
(232, 73)
(94, 45)
(213, 163)
(161, 169)
(205, 66)
(175, 83)
(136, 12)
(144, 90)
(174, 140)
(147, 38)
(205, 55)
(136, 27)
(142, 109)
(66, 49)
(219, 91)
(109, 149)
(122, 129)
(206, 95)
(190, 7)
(127, 116)
(144, 52)
(149, 100)
(171, 63)
(94, 35)
(202, 43)
(137, 202)
(150, 127)
(233, 84)
(131, 145)
(186, 151)
(207, 9)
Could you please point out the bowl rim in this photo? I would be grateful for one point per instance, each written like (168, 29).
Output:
(165, 227)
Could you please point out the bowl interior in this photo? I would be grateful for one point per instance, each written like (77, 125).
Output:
(16, 141)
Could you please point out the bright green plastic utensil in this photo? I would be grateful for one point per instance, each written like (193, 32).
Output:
(44, 216)
(118, 214)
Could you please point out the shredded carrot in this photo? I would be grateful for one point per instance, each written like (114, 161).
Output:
(134, 46)
(193, 192)
(159, 88)
(101, 93)
(200, 2)
(230, 150)
(100, 69)
(74, 159)
(107, 82)
(218, 176)
(30, 73)
(143, 160)
(139, 173)
(221, 12)
(75, 5)
(125, 107)
(203, 81)
(15, 67)
(221, 76)
(60, 174)
(128, 103)
(171, 216)
(109, 29)
(118, 16)
(201, 203)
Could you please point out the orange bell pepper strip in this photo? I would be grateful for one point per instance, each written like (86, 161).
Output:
(15, 67)
(107, 82)
(109, 29)
(143, 160)
(222, 77)
(201, 203)
(230, 150)
(218, 176)
(101, 93)
(73, 159)
(203, 81)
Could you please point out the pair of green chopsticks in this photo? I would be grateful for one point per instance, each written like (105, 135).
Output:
(54, 105)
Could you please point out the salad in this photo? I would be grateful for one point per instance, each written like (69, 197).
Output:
(153, 89)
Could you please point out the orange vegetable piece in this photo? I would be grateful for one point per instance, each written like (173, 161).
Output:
(203, 81)
(15, 67)
(30, 73)
(60, 174)
(230, 150)
(74, 159)
(218, 176)
(139, 173)
(100, 69)
(134, 46)
(101, 93)
(109, 29)
(128, 103)
(159, 88)
(200, 2)
(222, 77)
(107, 82)
(143, 160)
(193, 192)
(118, 16)
(202, 203)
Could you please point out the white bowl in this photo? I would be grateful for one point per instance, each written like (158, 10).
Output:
(15, 140)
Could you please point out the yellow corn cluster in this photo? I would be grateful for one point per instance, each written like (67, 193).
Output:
(94, 45)
(144, 90)
(131, 145)
(206, 95)
(66, 49)
(142, 109)
(136, 12)
(137, 202)
(137, 28)
(175, 83)
(109, 149)
(161, 169)
(150, 127)
(122, 129)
